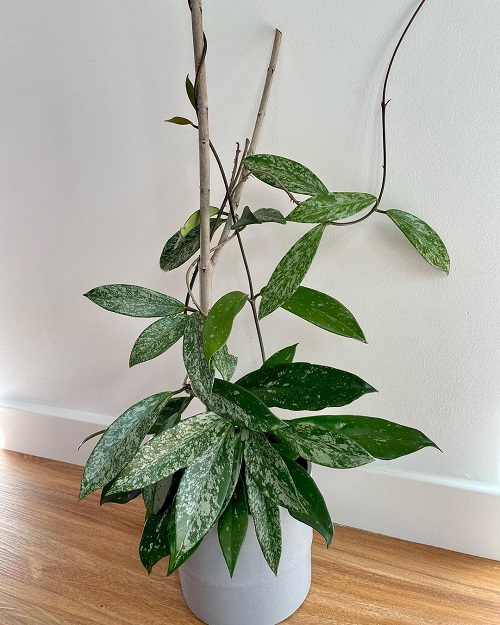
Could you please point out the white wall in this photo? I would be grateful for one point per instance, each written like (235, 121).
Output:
(93, 182)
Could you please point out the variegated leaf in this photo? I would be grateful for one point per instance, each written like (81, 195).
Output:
(177, 250)
(290, 271)
(284, 173)
(134, 301)
(154, 545)
(269, 471)
(423, 238)
(171, 450)
(328, 207)
(242, 408)
(260, 216)
(155, 495)
(267, 522)
(225, 363)
(119, 443)
(201, 374)
(157, 338)
(202, 491)
(325, 447)
(232, 527)
(219, 321)
(236, 470)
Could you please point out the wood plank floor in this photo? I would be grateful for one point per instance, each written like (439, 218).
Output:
(69, 563)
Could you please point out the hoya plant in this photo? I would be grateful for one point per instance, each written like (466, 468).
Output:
(237, 457)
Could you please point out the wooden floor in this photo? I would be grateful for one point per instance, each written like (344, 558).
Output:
(69, 563)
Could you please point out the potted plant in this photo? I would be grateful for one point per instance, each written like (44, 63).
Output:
(233, 482)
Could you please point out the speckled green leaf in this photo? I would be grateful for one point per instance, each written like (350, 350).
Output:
(181, 121)
(423, 238)
(290, 271)
(324, 312)
(260, 216)
(174, 565)
(154, 545)
(202, 491)
(120, 498)
(190, 91)
(236, 470)
(328, 207)
(285, 355)
(304, 386)
(316, 514)
(241, 407)
(219, 321)
(171, 450)
(225, 363)
(155, 495)
(90, 437)
(282, 172)
(119, 443)
(322, 446)
(178, 250)
(380, 438)
(134, 301)
(201, 374)
(267, 521)
(269, 471)
(157, 338)
(194, 220)
(233, 525)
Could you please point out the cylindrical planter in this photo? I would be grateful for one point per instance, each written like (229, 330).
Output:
(254, 595)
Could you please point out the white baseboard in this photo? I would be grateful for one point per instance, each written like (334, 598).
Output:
(458, 515)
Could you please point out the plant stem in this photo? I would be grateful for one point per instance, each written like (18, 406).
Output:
(201, 101)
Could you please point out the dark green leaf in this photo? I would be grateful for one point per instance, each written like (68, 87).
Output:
(157, 338)
(134, 301)
(174, 565)
(232, 527)
(261, 215)
(190, 91)
(267, 521)
(324, 312)
(423, 238)
(283, 356)
(282, 172)
(290, 271)
(117, 497)
(154, 545)
(225, 363)
(304, 386)
(269, 471)
(119, 443)
(201, 374)
(380, 438)
(201, 494)
(90, 437)
(181, 121)
(170, 415)
(194, 220)
(219, 321)
(320, 445)
(156, 494)
(178, 250)
(316, 515)
(329, 207)
(171, 450)
(242, 408)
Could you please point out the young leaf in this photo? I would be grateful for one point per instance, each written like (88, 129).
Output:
(154, 545)
(120, 498)
(242, 408)
(190, 91)
(157, 338)
(267, 521)
(283, 356)
(423, 238)
(282, 172)
(134, 301)
(202, 491)
(171, 450)
(181, 121)
(290, 271)
(304, 386)
(261, 215)
(119, 443)
(324, 312)
(155, 495)
(232, 527)
(194, 220)
(201, 374)
(225, 363)
(219, 321)
(269, 471)
(328, 207)
(325, 447)
(380, 438)
(178, 250)
(316, 515)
